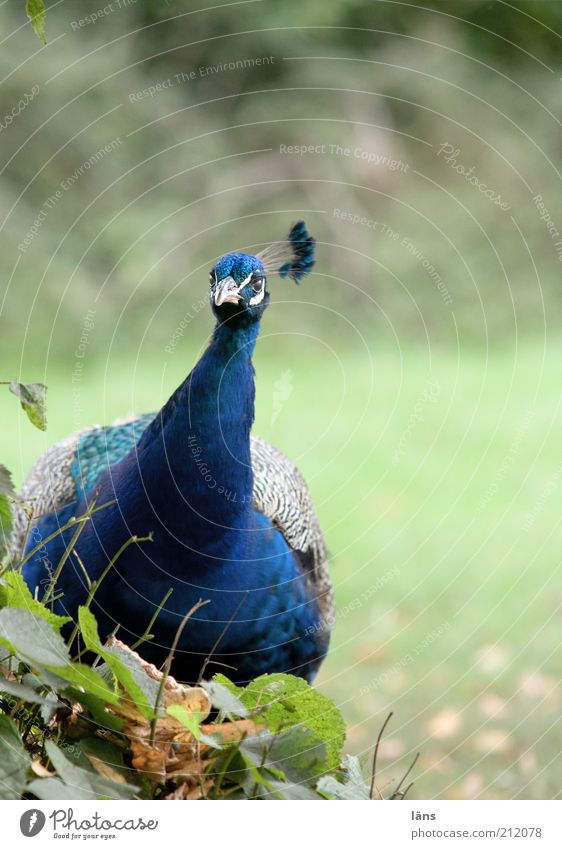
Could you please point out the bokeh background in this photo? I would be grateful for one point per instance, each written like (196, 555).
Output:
(414, 378)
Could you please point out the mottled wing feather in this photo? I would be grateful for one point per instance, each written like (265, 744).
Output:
(280, 492)
(48, 487)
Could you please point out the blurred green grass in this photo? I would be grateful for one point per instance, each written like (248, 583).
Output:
(437, 483)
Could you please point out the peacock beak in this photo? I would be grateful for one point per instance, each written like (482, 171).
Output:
(227, 291)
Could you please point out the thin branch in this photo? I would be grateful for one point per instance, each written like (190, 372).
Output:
(168, 664)
(83, 568)
(221, 635)
(374, 773)
(147, 635)
(71, 522)
(30, 518)
(60, 565)
(407, 790)
(95, 585)
(397, 793)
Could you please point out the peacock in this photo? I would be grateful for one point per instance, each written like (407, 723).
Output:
(230, 518)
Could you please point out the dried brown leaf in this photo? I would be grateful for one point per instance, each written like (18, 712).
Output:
(107, 771)
(230, 731)
(200, 791)
(40, 770)
(8, 675)
(148, 760)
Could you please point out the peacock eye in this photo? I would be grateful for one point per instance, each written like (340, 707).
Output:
(257, 284)
(212, 278)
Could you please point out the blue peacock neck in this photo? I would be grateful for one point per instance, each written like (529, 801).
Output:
(202, 444)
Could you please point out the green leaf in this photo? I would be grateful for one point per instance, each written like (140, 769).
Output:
(334, 789)
(298, 753)
(353, 785)
(224, 696)
(82, 782)
(105, 751)
(31, 638)
(6, 492)
(15, 593)
(32, 399)
(51, 789)
(192, 721)
(87, 678)
(289, 790)
(21, 692)
(35, 11)
(6, 485)
(14, 760)
(146, 685)
(49, 709)
(286, 701)
(6, 519)
(97, 708)
(140, 688)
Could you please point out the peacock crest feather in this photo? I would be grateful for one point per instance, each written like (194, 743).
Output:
(293, 257)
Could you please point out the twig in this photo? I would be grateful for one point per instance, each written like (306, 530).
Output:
(95, 585)
(407, 790)
(221, 635)
(396, 793)
(147, 635)
(84, 571)
(71, 522)
(168, 664)
(60, 565)
(30, 517)
(379, 738)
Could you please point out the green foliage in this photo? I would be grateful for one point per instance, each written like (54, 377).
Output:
(285, 702)
(349, 785)
(290, 737)
(14, 760)
(35, 11)
(15, 593)
(142, 690)
(31, 639)
(6, 492)
(192, 721)
(224, 696)
(6, 485)
(76, 782)
(482, 69)
(33, 401)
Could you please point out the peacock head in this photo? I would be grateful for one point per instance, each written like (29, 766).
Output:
(239, 281)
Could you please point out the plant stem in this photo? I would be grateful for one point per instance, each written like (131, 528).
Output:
(94, 585)
(373, 776)
(168, 663)
(147, 635)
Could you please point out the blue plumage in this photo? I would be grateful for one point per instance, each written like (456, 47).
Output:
(222, 529)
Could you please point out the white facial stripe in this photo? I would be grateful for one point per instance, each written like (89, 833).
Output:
(257, 298)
